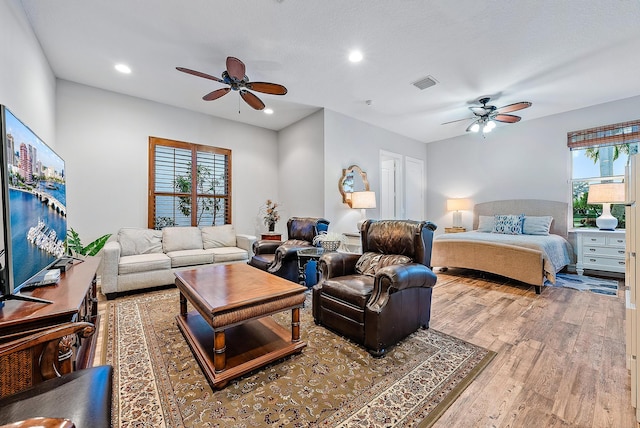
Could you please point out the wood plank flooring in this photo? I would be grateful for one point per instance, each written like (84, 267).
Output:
(560, 355)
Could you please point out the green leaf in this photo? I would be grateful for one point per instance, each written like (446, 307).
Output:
(73, 242)
(94, 248)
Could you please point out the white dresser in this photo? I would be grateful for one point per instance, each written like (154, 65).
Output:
(602, 250)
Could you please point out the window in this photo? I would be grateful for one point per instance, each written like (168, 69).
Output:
(599, 155)
(173, 200)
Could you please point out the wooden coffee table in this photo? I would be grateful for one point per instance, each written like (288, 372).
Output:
(230, 332)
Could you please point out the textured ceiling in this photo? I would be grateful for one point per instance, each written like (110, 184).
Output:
(559, 55)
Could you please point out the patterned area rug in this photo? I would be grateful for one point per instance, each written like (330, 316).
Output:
(332, 383)
(606, 287)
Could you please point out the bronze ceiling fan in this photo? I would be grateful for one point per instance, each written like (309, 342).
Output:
(235, 77)
(486, 115)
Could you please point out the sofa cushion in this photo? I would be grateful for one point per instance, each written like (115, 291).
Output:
(218, 236)
(369, 263)
(190, 257)
(181, 238)
(135, 240)
(228, 254)
(143, 263)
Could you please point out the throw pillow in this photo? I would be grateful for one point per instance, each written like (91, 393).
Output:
(218, 236)
(508, 224)
(486, 223)
(369, 263)
(537, 225)
(181, 238)
(134, 241)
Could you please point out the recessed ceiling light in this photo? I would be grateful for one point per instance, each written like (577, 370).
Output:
(268, 111)
(122, 68)
(355, 56)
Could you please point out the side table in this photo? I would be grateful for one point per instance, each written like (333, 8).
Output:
(305, 256)
(454, 229)
(271, 236)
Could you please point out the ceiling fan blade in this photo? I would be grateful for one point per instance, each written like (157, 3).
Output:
(251, 99)
(508, 118)
(471, 124)
(216, 94)
(199, 74)
(513, 107)
(235, 68)
(267, 88)
(458, 120)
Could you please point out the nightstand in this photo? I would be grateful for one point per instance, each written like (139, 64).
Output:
(454, 229)
(602, 250)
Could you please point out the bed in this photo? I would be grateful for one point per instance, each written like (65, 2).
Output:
(529, 258)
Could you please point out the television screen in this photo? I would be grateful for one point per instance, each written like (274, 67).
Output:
(35, 179)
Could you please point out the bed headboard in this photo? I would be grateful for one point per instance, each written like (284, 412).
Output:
(533, 207)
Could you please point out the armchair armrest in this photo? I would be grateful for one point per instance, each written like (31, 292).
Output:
(35, 358)
(109, 267)
(288, 250)
(265, 246)
(338, 264)
(398, 278)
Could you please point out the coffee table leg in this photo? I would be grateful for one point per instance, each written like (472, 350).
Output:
(219, 349)
(183, 305)
(295, 324)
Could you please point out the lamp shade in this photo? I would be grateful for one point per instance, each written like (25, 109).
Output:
(606, 193)
(363, 200)
(459, 204)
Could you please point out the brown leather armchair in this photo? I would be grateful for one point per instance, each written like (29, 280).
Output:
(381, 296)
(36, 382)
(281, 258)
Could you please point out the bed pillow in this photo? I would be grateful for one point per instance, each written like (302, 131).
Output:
(486, 223)
(508, 224)
(537, 225)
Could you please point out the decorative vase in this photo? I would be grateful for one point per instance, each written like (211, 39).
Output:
(272, 226)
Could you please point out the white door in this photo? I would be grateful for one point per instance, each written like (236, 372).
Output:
(387, 191)
(414, 188)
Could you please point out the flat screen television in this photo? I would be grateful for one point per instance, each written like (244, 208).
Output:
(34, 214)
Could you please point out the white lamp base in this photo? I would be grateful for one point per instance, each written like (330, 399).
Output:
(457, 219)
(606, 221)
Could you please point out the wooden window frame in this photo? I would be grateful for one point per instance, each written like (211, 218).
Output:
(194, 195)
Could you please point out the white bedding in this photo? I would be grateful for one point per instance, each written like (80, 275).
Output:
(556, 251)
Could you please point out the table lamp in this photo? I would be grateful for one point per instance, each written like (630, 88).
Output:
(606, 194)
(457, 205)
(363, 201)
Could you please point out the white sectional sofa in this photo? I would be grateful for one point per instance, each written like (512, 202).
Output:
(143, 258)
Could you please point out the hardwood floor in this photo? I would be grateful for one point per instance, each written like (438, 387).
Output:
(560, 355)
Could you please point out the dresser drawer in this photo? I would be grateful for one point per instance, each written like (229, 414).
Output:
(604, 263)
(616, 241)
(590, 251)
(595, 240)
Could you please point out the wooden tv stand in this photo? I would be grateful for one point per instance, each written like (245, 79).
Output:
(74, 299)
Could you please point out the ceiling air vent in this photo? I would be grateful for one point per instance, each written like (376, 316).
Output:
(425, 83)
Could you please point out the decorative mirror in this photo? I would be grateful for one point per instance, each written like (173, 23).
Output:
(353, 180)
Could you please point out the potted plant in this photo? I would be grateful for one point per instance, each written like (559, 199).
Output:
(330, 241)
(271, 215)
(75, 247)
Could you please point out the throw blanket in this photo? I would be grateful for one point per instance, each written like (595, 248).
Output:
(556, 251)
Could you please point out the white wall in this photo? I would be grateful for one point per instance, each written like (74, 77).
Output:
(525, 160)
(103, 137)
(27, 84)
(301, 169)
(348, 141)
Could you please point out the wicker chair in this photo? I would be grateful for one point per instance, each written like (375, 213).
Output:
(36, 379)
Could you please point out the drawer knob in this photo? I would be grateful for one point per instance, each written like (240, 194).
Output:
(593, 260)
(593, 239)
(620, 252)
(592, 250)
(621, 263)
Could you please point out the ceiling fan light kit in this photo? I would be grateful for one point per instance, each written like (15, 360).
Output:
(235, 77)
(486, 116)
